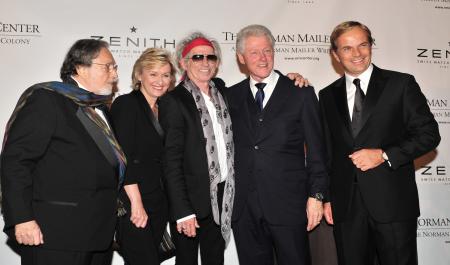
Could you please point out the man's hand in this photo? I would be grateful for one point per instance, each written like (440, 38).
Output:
(138, 215)
(327, 213)
(314, 212)
(366, 159)
(29, 233)
(188, 227)
(298, 79)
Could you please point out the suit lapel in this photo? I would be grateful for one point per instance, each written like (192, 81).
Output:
(277, 99)
(188, 100)
(340, 94)
(150, 117)
(99, 138)
(376, 86)
(243, 104)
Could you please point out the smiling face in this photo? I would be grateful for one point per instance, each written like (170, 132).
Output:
(354, 51)
(200, 72)
(155, 81)
(258, 56)
(100, 76)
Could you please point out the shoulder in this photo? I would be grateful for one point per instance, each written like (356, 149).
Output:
(220, 84)
(38, 96)
(171, 99)
(243, 83)
(328, 89)
(127, 101)
(394, 74)
(239, 88)
(289, 86)
(174, 94)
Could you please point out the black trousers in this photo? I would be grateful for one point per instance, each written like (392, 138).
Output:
(34, 255)
(209, 238)
(360, 239)
(257, 240)
(139, 246)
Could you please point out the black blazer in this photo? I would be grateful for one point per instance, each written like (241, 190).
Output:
(397, 119)
(185, 161)
(270, 150)
(141, 138)
(54, 172)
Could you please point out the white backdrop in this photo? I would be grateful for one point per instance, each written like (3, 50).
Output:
(411, 36)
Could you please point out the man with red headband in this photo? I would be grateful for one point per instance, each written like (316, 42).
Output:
(199, 154)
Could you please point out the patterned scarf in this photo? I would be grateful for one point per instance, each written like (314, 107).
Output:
(224, 120)
(86, 100)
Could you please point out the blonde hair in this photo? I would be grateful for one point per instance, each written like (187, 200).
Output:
(151, 58)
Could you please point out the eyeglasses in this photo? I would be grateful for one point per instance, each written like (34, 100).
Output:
(109, 66)
(201, 57)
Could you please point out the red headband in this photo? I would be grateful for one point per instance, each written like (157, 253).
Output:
(194, 43)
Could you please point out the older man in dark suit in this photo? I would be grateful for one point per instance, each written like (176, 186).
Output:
(61, 163)
(279, 186)
(376, 122)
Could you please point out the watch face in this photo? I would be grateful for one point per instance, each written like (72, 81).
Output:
(318, 196)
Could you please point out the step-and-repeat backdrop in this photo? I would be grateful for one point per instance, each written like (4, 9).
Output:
(411, 36)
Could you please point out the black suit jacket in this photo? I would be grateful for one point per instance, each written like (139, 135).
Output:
(54, 172)
(270, 150)
(142, 141)
(397, 119)
(185, 160)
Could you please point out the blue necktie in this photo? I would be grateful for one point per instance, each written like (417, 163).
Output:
(259, 97)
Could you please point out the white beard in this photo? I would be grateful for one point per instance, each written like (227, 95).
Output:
(104, 92)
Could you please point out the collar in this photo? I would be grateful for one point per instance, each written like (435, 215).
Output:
(270, 81)
(78, 83)
(364, 77)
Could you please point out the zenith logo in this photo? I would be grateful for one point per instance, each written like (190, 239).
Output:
(436, 170)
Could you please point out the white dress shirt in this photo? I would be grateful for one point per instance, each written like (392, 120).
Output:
(220, 141)
(351, 88)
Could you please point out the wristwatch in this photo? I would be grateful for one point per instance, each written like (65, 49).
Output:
(318, 196)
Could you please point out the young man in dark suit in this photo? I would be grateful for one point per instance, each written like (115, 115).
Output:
(61, 163)
(376, 123)
(279, 186)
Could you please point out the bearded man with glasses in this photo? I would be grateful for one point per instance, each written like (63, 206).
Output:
(61, 164)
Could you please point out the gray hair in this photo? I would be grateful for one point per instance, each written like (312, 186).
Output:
(252, 30)
(188, 39)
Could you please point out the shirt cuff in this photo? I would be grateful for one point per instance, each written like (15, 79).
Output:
(185, 218)
(386, 158)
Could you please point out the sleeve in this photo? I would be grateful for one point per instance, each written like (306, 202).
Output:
(315, 147)
(27, 142)
(124, 115)
(172, 121)
(421, 129)
(328, 145)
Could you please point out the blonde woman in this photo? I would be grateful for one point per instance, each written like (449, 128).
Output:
(135, 118)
